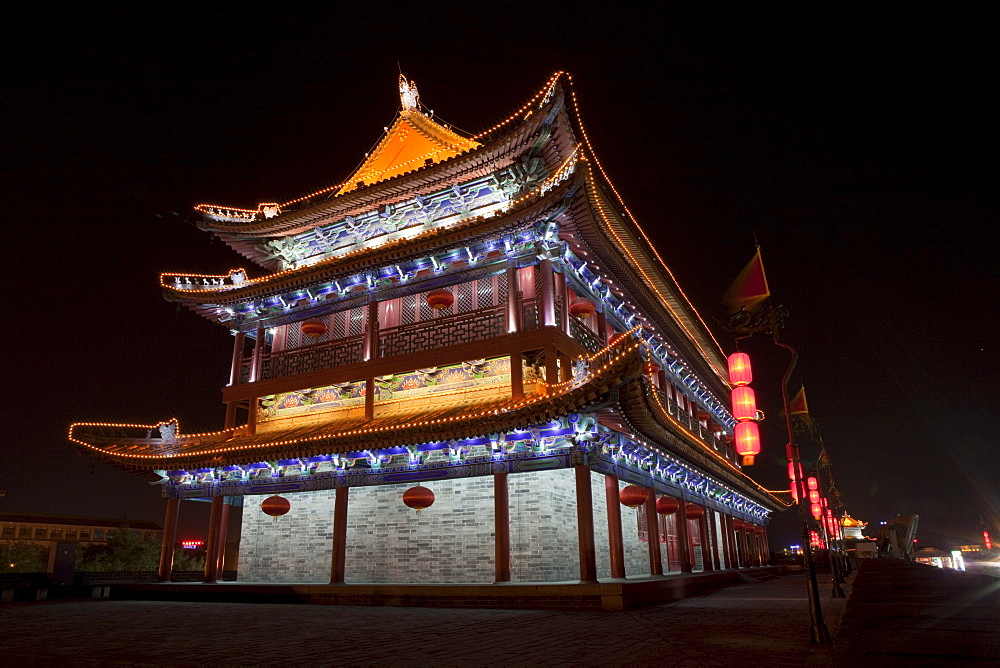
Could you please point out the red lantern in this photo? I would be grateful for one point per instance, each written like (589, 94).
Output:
(314, 328)
(667, 505)
(441, 298)
(633, 496)
(791, 472)
(797, 491)
(694, 511)
(418, 498)
(739, 369)
(747, 441)
(727, 438)
(717, 428)
(582, 308)
(704, 415)
(813, 496)
(812, 483)
(275, 506)
(744, 403)
(816, 510)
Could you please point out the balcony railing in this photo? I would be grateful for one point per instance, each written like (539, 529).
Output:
(693, 425)
(584, 335)
(451, 330)
(308, 358)
(480, 325)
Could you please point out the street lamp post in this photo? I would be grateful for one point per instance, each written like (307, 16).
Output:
(769, 320)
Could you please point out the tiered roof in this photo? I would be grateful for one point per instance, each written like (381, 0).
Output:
(416, 158)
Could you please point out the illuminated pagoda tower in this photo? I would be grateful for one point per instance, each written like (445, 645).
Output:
(475, 322)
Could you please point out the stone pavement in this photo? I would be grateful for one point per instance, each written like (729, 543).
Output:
(905, 614)
(750, 624)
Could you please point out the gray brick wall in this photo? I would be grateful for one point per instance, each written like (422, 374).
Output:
(452, 541)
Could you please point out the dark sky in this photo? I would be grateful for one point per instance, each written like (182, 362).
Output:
(858, 145)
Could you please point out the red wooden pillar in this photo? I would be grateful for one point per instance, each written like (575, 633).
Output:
(683, 537)
(236, 368)
(514, 306)
(516, 376)
(501, 531)
(616, 544)
(371, 331)
(169, 539)
(708, 541)
(735, 540)
(552, 366)
(653, 534)
(223, 530)
(731, 556)
(370, 399)
(256, 366)
(234, 377)
(338, 557)
(563, 294)
(741, 536)
(767, 548)
(585, 524)
(547, 310)
(212, 549)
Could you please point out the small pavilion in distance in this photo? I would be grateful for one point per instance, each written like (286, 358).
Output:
(474, 327)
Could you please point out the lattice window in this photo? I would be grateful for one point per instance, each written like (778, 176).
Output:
(408, 310)
(357, 321)
(293, 335)
(499, 289)
(486, 292)
(424, 311)
(465, 302)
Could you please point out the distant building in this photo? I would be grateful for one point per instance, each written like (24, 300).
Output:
(853, 528)
(48, 529)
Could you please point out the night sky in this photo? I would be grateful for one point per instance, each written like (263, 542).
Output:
(858, 146)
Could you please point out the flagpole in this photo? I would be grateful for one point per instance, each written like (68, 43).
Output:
(748, 316)
(817, 627)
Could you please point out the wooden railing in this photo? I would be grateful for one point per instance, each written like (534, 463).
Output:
(450, 330)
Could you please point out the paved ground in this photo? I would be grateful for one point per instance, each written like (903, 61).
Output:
(752, 624)
(907, 614)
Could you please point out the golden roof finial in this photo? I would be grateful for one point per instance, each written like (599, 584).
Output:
(409, 97)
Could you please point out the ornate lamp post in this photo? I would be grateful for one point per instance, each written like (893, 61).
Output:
(767, 319)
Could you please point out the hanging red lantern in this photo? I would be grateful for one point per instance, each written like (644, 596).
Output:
(651, 368)
(703, 415)
(727, 437)
(744, 403)
(812, 483)
(633, 496)
(798, 491)
(747, 441)
(314, 328)
(816, 510)
(440, 299)
(418, 498)
(582, 308)
(694, 511)
(791, 471)
(739, 369)
(717, 428)
(813, 496)
(667, 505)
(275, 506)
